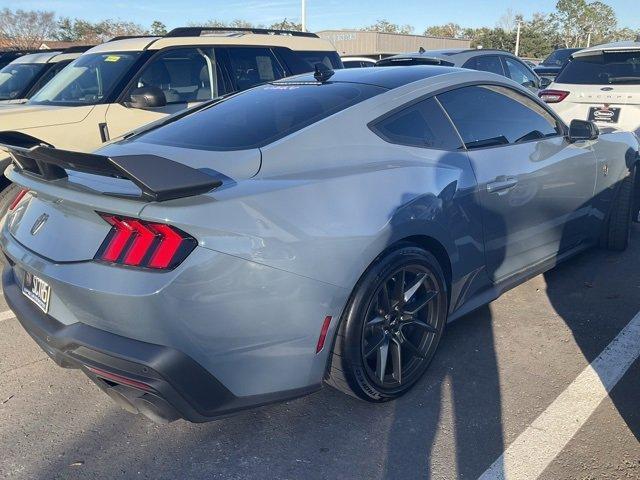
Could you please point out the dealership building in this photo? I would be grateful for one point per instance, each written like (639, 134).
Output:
(379, 45)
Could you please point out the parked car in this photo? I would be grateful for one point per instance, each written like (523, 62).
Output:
(601, 84)
(358, 62)
(494, 61)
(121, 85)
(551, 65)
(8, 56)
(27, 74)
(322, 227)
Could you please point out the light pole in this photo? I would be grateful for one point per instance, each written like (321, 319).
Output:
(304, 15)
(517, 40)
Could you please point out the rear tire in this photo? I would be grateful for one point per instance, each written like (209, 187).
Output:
(383, 347)
(618, 230)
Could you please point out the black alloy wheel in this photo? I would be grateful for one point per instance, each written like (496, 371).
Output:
(392, 326)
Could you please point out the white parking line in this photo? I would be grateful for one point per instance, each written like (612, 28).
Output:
(535, 448)
(6, 315)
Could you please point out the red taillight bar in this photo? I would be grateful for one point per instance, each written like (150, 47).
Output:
(139, 243)
(553, 96)
(19, 197)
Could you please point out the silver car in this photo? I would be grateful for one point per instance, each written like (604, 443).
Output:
(322, 228)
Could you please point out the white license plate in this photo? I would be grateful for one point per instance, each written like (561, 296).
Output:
(36, 290)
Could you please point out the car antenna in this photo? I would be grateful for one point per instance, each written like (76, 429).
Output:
(322, 73)
(421, 50)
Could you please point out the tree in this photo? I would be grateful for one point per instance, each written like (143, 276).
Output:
(158, 28)
(449, 30)
(26, 29)
(508, 21)
(286, 25)
(215, 23)
(576, 20)
(79, 30)
(385, 26)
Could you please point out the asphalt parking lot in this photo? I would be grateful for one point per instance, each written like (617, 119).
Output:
(498, 370)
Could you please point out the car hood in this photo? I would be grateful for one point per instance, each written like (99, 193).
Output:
(24, 116)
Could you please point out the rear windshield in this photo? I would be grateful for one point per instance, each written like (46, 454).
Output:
(558, 57)
(259, 116)
(603, 69)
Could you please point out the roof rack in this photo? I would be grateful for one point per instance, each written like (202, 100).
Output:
(197, 31)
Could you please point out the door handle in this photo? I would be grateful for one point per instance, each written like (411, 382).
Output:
(501, 185)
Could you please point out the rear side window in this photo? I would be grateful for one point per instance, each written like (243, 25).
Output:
(259, 116)
(423, 124)
(603, 69)
(488, 116)
(518, 72)
(486, 63)
(330, 59)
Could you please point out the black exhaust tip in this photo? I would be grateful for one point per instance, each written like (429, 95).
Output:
(155, 409)
(119, 395)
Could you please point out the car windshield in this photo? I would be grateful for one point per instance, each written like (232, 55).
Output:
(557, 58)
(87, 80)
(605, 68)
(16, 78)
(259, 116)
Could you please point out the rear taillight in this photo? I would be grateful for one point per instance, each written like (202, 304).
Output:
(19, 197)
(553, 96)
(138, 243)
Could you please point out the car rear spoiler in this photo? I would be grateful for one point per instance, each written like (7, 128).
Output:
(158, 178)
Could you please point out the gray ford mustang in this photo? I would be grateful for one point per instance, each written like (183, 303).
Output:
(320, 228)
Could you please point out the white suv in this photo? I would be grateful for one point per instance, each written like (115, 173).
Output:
(602, 84)
(126, 83)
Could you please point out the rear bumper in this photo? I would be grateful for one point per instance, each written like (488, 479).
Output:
(172, 384)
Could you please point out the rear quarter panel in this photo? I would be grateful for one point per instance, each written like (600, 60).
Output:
(330, 199)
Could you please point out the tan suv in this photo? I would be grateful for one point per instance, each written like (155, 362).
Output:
(123, 84)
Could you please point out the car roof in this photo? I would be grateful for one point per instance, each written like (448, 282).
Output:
(390, 77)
(608, 47)
(41, 57)
(230, 38)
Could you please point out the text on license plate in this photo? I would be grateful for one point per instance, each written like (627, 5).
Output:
(36, 290)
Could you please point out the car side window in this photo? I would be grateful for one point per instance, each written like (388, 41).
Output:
(185, 75)
(486, 63)
(519, 73)
(252, 66)
(423, 124)
(489, 115)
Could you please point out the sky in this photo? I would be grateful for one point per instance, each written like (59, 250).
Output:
(321, 14)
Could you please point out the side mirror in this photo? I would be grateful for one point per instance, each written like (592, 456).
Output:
(545, 82)
(147, 97)
(582, 130)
